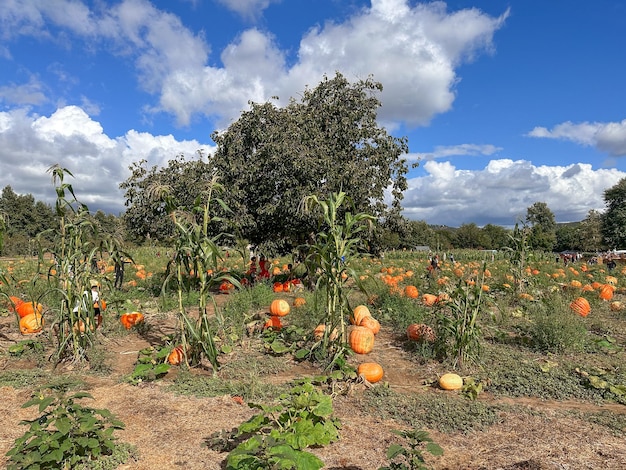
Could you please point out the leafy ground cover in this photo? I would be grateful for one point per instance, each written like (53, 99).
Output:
(545, 387)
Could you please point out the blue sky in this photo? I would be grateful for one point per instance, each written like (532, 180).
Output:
(504, 103)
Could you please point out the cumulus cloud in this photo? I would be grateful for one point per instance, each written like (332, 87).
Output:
(30, 144)
(609, 137)
(413, 50)
(502, 192)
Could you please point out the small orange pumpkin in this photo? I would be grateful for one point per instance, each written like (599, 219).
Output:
(606, 292)
(277, 287)
(370, 371)
(318, 333)
(177, 356)
(26, 308)
(15, 303)
(371, 323)
(131, 319)
(31, 323)
(580, 306)
(279, 308)
(429, 299)
(420, 332)
(359, 312)
(273, 322)
(451, 381)
(299, 302)
(411, 292)
(361, 340)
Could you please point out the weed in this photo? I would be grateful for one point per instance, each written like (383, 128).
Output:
(412, 456)
(65, 435)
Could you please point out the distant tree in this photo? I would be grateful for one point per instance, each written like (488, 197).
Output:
(590, 232)
(329, 141)
(543, 227)
(614, 219)
(494, 237)
(419, 233)
(567, 238)
(24, 218)
(469, 236)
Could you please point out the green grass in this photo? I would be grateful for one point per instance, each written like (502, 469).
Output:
(439, 411)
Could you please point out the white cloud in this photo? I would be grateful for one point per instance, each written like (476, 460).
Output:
(455, 151)
(608, 137)
(502, 192)
(30, 144)
(412, 50)
(249, 9)
(24, 94)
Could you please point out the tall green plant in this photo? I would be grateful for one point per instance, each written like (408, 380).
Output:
(329, 256)
(195, 263)
(519, 254)
(73, 249)
(459, 331)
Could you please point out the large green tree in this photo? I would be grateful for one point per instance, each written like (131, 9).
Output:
(146, 214)
(543, 227)
(614, 219)
(329, 141)
(590, 232)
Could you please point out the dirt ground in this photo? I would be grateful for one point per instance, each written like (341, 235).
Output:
(169, 429)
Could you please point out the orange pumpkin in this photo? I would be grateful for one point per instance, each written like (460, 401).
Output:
(606, 292)
(101, 305)
(286, 286)
(371, 323)
(26, 308)
(580, 306)
(299, 302)
(279, 308)
(370, 371)
(429, 299)
(359, 312)
(15, 303)
(411, 292)
(361, 340)
(318, 333)
(420, 332)
(278, 287)
(80, 325)
(451, 381)
(177, 356)
(31, 323)
(273, 322)
(131, 319)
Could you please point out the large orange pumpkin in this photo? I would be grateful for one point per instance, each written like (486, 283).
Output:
(279, 308)
(26, 308)
(358, 313)
(361, 340)
(370, 371)
(580, 306)
(131, 319)
(31, 323)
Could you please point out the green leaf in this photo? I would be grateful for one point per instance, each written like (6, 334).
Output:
(394, 450)
(434, 449)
